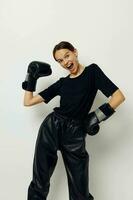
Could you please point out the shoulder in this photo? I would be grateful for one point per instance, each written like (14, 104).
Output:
(61, 80)
(94, 68)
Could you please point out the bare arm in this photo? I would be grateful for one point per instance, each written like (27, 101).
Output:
(30, 100)
(116, 99)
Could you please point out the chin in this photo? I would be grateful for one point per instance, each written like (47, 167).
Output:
(75, 70)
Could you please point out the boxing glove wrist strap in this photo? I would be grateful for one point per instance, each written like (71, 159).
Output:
(30, 83)
(104, 112)
(27, 77)
(100, 115)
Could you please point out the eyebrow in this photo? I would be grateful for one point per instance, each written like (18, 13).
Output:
(64, 55)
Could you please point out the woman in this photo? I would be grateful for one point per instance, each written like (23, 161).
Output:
(63, 129)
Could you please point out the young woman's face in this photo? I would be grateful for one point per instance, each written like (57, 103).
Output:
(67, 59)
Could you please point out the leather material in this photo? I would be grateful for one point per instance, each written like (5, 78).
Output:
(39, 69)
(35, 70)
(91, 124)
(107, 110)
(58, 133)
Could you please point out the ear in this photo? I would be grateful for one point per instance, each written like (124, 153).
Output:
(76, 52)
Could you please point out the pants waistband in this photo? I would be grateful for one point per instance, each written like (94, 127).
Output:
(66, 118)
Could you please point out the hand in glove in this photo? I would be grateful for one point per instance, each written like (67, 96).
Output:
(91, 122)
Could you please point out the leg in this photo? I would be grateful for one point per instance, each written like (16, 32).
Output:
(45, 160)
(76, 160)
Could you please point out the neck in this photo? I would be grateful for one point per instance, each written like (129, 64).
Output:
(80, 69)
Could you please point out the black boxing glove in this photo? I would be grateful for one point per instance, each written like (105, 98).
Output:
(35, 70)
(91, 122)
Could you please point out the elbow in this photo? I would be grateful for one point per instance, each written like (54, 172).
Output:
(117, 99)
(123, 98)
(119, 96)
(26, 104)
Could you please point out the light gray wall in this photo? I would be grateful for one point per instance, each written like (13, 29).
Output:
(102, 33)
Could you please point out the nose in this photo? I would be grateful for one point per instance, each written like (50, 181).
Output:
(65, 62)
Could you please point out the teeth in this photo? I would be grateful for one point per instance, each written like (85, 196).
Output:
(69, 65)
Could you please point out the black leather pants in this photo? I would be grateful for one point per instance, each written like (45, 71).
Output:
(60, 133)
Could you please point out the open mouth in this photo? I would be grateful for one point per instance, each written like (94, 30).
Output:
(70, 67)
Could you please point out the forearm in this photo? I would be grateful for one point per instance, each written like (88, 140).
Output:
(116, 99)
(27, 98)
(30, 99)
(102, 113)
(107, 109)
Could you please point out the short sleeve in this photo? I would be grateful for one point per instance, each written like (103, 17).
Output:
(103, 83)
(52, 91)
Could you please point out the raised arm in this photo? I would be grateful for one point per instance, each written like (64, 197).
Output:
(30, 100)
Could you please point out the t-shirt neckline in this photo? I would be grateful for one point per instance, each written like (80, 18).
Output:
(77, 76)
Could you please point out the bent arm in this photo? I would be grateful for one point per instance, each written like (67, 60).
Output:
(30, 100)
(116, 99)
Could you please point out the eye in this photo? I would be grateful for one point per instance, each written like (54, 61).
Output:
(59, 61)
(67, 56)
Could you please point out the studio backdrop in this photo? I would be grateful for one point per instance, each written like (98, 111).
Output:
(102, 33)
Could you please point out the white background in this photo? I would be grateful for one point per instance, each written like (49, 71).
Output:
(102, 32)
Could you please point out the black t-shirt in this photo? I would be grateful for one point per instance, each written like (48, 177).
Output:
(77, 94)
